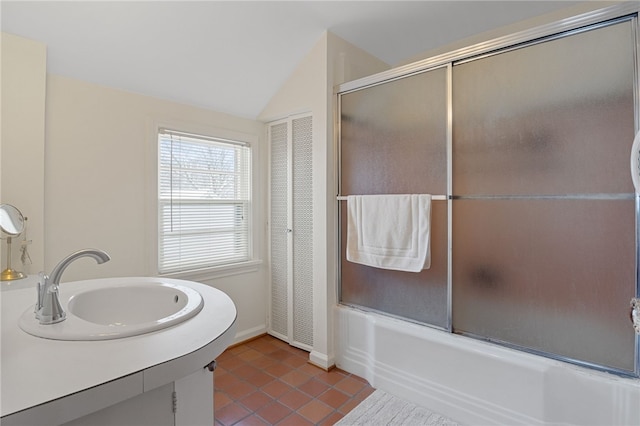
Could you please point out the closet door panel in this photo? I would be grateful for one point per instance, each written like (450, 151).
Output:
(278, 229)
(291, 230)
(302, 182)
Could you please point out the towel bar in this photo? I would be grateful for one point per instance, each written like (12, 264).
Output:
(433, 197)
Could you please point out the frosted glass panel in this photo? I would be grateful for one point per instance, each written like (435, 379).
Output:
(393, 141)
(420, 297)
(552, 118)
(551, 275)
(393, 137)
(544, 220)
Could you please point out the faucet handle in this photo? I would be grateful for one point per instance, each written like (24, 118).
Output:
(49, 309)
(42, 279)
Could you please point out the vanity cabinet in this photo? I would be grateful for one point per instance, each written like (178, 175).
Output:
(129, 380)
(185, 402)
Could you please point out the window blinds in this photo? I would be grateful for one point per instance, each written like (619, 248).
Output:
(204, 196)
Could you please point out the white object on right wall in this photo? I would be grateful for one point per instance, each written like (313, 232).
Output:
(635, 162)
(635, 314)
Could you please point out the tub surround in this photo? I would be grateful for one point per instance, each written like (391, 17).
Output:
(476, 382)
(53, 382)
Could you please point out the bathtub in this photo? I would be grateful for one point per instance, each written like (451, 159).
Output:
(479, 383)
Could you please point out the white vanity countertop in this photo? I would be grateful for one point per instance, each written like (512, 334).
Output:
(36, 371)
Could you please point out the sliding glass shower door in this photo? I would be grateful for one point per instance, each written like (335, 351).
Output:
(394, 141)
(529, 137)
(544, 217)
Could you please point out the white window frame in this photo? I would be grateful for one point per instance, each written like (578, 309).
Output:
(215, 271)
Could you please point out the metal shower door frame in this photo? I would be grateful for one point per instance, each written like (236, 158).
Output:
(605, 16)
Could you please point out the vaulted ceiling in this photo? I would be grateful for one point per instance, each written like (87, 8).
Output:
(233, 56)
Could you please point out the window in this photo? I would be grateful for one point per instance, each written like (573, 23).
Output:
(204, 200)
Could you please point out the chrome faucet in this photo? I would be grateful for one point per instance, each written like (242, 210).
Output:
(48, 309)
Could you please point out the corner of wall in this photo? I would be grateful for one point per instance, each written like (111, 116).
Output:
(310, 89)
(302, 91)
(347, 61)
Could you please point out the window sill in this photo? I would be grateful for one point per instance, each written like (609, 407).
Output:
(216, 271)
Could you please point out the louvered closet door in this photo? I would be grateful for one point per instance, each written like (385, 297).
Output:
(302, 234)
(292, 230)
(278, 135)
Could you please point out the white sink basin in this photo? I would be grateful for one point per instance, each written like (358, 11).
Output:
(116, 311)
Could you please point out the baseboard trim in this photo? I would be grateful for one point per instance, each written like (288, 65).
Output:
(322, 360)
(250, 334)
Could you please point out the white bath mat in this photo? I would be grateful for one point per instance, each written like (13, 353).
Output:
(380, 409)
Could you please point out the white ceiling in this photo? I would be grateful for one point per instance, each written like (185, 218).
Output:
(233, 56)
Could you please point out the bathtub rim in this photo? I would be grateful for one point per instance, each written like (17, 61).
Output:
(550, 379)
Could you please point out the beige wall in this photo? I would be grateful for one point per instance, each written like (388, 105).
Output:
(99, 168)
(96, 175)
(22, 142)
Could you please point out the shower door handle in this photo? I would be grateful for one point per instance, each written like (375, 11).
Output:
(635, 163)
(634, 314)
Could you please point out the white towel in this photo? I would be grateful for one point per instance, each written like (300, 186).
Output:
(389, 231)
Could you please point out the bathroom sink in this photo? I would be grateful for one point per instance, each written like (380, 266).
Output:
(115, 311)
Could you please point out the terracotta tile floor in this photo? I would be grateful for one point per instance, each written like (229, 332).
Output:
(267, 382)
